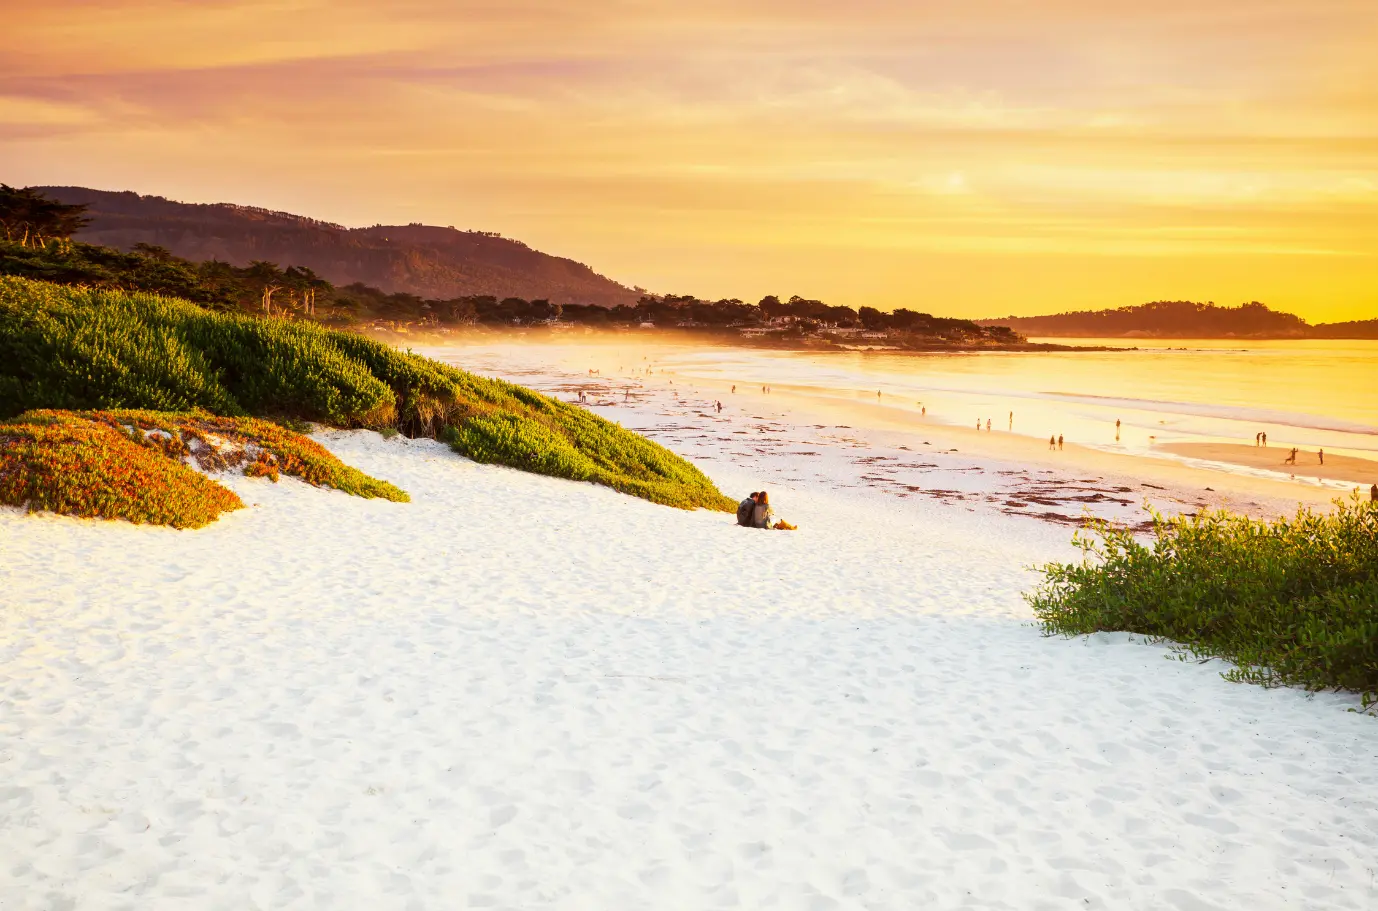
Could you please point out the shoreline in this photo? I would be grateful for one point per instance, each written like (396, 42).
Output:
(670, 335)
(1339, 468)
(1192, 486)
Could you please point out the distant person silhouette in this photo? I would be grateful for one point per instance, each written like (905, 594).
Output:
(1321, 453)
(1011, 420)
(1373, 494)
(978, 425)
(1264, 435)
(1292, 458)
(1117, 430)
(734, 389)
(1052, 442)
(1059, 441)
(923, 411)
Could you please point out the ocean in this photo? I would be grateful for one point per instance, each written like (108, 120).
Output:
(1301, 393)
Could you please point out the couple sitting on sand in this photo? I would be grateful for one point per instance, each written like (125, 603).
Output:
(755, 512)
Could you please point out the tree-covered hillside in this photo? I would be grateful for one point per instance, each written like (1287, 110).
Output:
(1183, 319)
(36, 245)
(421, 260)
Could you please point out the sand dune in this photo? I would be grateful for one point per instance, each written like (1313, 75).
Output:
(519, 692)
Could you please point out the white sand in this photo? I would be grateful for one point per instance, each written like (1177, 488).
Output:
(519, 692)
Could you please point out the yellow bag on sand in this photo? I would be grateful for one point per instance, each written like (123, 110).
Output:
(782, 525)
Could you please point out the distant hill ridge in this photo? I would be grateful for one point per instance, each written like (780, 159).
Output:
(425, 260)
(1183, 319)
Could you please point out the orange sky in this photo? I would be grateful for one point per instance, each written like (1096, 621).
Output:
(974, 158)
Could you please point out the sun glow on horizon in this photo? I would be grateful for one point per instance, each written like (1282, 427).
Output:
(973, 159)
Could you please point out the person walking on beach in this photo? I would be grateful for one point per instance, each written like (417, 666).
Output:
(923, 411)
(1052, 442)
(746, 510)
(1291, 459)
(734, 390)
(763, 516)
(978, 425)
(1059, 442)
(1011, 420)
(1117, 430)
(1257, 437)
(1264, 435)
(987, 425)
(1321, 453)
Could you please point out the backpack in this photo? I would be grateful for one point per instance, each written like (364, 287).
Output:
(745, 510)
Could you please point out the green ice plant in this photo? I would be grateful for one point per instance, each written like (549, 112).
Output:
(65, 347)
(1292, 602)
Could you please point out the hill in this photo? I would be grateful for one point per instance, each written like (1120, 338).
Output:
(1183, 319)
(81, 349)
(36, 243)
(427, 261)
(1357, 328)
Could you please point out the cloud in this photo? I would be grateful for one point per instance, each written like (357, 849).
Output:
(992, 128)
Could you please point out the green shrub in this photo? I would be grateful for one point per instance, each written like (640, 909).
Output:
(221, 442)
(1289, 602)
(131, 464)
(77, 348)
(60, 463)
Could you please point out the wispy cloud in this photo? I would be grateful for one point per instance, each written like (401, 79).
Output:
(872, 152)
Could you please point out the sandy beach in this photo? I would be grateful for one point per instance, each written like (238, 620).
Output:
(796, 416)
(522, 692)
(1274, 458)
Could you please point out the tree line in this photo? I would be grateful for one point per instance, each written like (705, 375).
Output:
(37, 245)
(1183, 319)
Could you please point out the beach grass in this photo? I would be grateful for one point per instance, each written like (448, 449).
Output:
(64, 347)
(1288, 602)
(134, 465)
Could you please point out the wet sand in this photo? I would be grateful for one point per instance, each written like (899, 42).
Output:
(1349, 469)
(1217, 488)
(1263, 490)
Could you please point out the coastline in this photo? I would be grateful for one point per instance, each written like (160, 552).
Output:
(1171, 484)
(415, 334)
(531, 692)
(1341, 468)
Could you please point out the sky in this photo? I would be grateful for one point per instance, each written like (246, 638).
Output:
(973, 158)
